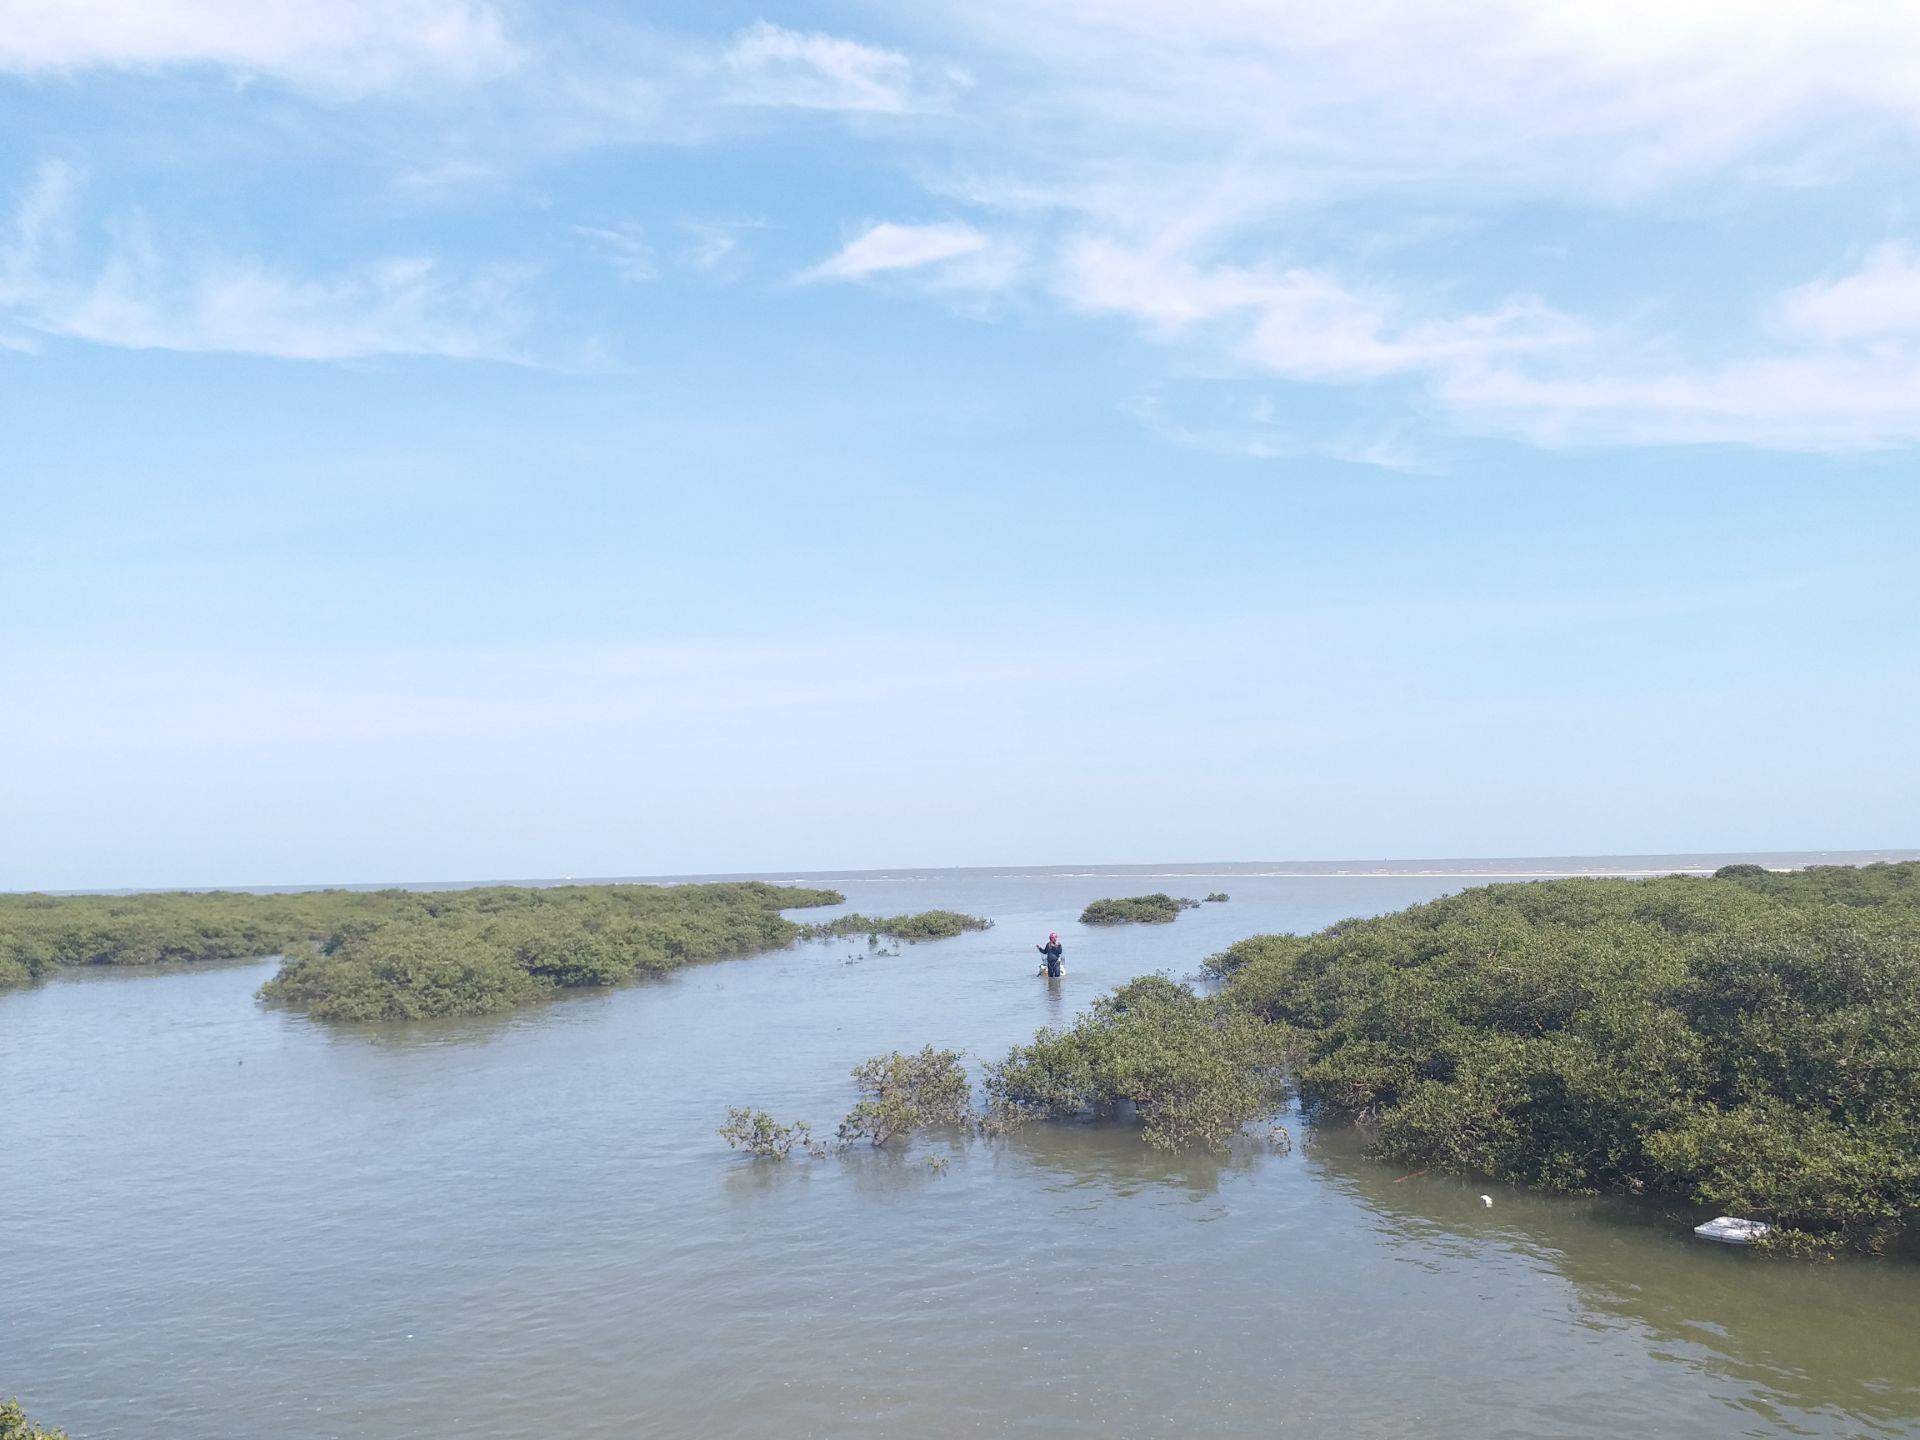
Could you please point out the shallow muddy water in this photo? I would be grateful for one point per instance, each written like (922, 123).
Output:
(219, 1220)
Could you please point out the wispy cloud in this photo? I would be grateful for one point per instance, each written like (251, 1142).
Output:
(1182, 156)
(953, 254)
(403, 306)
(1255, 432)
(1192, 170)
(1821, 400)
(1579, 98)
(1881, 298)
(626, 248)
(1300, 322)
(1832, 365)
(713, 246)
(40, 224)
(445, 176)
(770, 65)
(348, 45)
(135, 297)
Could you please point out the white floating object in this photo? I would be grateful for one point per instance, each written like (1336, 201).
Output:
(1487, 1200)
(1730, 1230)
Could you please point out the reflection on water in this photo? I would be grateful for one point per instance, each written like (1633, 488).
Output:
(1839, 1341)
(231, 1222)
(1086, 1156)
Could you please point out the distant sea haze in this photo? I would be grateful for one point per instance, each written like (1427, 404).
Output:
(1538, 867)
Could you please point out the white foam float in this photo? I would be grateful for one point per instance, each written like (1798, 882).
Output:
(1731, 1230)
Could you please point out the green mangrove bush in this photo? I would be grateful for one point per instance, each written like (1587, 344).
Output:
(1750, 1041)
(14, 1425)
(1155, 909)
(43, 933)
(393, 954)
(760, 1135)
(926, 925)
(900, 1094)
(1194, 1068)
(478, 951)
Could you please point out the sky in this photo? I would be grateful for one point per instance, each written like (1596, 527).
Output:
(460, 439)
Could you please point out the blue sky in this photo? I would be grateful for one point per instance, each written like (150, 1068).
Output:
(447, 439)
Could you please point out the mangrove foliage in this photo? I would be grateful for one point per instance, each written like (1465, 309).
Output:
(14, 1425)
(1189, 1069)
(765, 1138)
(411, 954)
(1193, 1068)
(1750, 1042)
(927, 925)
(1155, 909)
(43, 933)
(407, 954)
(900, 1095)
(478, 951)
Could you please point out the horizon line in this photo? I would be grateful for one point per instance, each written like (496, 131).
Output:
(1282, 869)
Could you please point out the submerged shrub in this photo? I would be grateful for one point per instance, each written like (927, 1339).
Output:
(759, 1134)
(927, 925)
(1218, 897)
(904, 1093)
(1194, 1068)
(1155, 909)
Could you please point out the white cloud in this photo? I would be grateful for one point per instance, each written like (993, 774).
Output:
(1837, 369)
(625, 245)
(1834, 366)
(1274, 100)
(1194, 168)
(404, 306)
(137, 299)
(1300, 323)
(1881, 298)
(770, 65)
(349, 45)
(713, 246)
(441, 177)
(888, 247)
(1253, 432)
(39, 224)
(1185, 157)
(1814, 401)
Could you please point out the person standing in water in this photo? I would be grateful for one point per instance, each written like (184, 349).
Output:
(1053, 951)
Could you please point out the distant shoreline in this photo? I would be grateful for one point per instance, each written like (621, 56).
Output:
(1505, 867)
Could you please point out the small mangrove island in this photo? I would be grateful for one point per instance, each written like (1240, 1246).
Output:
(412, 954)
(927, 925)
(1155, 909)
(1749, 1042)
